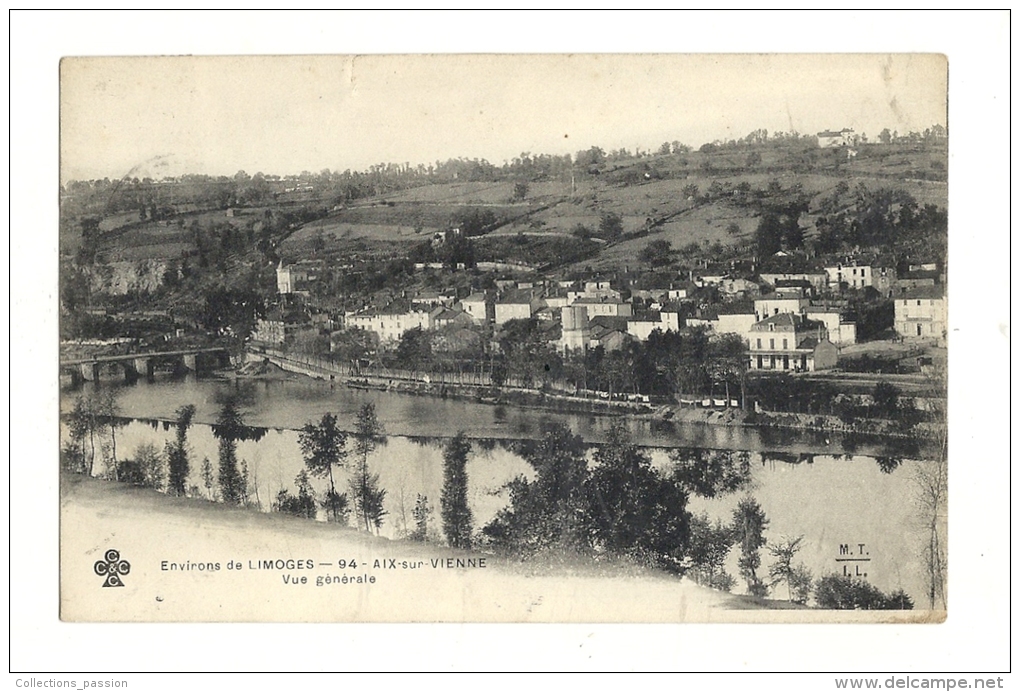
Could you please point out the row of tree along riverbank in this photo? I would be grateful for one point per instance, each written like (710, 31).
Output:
(780, 402)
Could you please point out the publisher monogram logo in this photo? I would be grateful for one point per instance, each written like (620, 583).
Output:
(112, 567)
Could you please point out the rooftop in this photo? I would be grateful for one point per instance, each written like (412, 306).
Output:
(921, 292)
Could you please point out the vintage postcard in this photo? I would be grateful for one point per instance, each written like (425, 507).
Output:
(504, 338)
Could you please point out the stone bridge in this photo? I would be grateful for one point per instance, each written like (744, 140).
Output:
(137, 365)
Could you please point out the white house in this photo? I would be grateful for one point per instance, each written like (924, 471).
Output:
(830, 139)
(781, 301)
(920, 313)
(480, 307)
(788, 342)
(605, 307)
(389, 326)
(841, 333)
(737, 323)
(664, 322)
(576, 332)
(853, 276)
(513, 309)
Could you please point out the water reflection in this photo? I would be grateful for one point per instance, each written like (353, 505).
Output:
(888, 464)
(289, 404)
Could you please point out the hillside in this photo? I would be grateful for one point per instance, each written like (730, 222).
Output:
(687, 199)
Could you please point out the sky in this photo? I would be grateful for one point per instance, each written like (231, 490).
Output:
(157, 116)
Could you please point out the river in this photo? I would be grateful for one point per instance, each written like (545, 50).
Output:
(807, 484)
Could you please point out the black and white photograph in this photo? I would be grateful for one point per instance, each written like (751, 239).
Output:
(587, 342)
(664, 363)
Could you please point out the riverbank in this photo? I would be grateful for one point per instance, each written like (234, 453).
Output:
(879, 429)
(192, 560)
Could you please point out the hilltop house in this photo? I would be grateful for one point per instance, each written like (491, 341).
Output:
(297, 278)
(830, 140)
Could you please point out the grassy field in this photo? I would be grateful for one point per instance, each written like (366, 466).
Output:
(349, 231)
(554, 208)
(482, 193)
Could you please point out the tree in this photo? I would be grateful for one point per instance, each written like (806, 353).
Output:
(887, 398)
(551, 510)
(453, 502)
(368, 496)
(797, 577)
(931, 487)
(229, 428)
(208, 479)
(528, 356)
(108, 415)
(930, 479)
(177, 452)
(520, 191)
(838, 592)
(768, 237)
(684, 357)
(634, 510)
(414, 351)
(590, 157)
(83, 425)
(727, 361)
(420, 513)
(708, 473)
(303, 505)
(658, 253)
(610, 226)
(151, 465)
(885, 136)
(709, 545)
(749, 524)
(324, 446)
